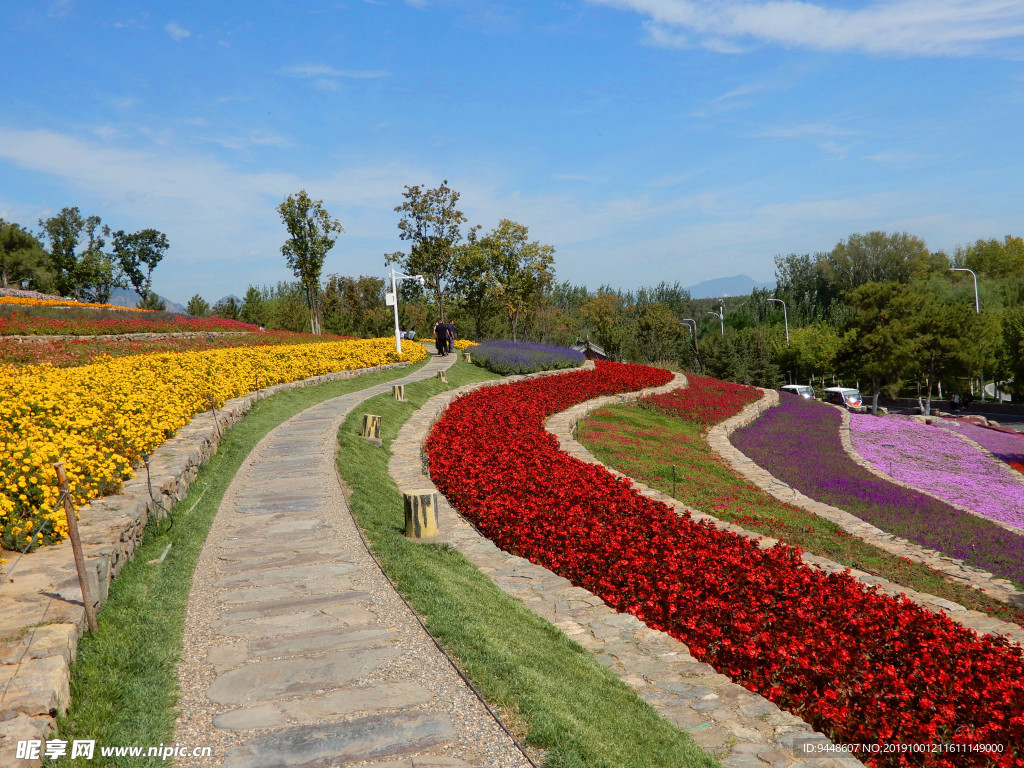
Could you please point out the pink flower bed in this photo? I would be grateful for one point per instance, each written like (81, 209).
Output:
(939, 462)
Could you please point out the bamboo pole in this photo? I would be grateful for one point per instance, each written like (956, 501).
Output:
(76, 548)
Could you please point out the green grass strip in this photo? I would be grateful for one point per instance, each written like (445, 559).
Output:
(646, 445)
(124, 683)
(563, 702)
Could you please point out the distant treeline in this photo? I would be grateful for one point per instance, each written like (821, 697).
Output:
(879, 310)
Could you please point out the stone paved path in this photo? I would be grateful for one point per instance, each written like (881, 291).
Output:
(298, 651)
(743, 729)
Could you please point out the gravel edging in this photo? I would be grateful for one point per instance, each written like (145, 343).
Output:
(41, 612)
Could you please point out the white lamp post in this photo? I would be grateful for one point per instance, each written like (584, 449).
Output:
(785, 317)
(977, 306)
(392, 299)
(720, 314)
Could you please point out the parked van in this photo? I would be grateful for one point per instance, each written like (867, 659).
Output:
(801, 390)
(846, 396)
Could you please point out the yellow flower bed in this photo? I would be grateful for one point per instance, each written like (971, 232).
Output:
(464, 343)
(100, 418)
(63, 303)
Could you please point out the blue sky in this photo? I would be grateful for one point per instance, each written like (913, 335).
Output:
(646, 140)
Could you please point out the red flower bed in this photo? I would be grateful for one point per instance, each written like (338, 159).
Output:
(860, 666)
(29, 325)
(708, 403)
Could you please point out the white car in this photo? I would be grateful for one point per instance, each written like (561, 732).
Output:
(845, 396)
(802, 390)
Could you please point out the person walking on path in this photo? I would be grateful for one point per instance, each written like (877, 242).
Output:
(440, 338)
(449, 336)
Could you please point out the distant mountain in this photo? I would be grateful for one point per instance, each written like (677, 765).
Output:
(122, 297)
(739, 285)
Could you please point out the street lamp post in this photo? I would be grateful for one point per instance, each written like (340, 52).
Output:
(977, 305)
(720, 314)
(785, 317)
(395, 279)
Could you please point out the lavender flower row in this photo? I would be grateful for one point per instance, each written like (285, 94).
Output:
(941, 463)
(515, 357)
(798, 442)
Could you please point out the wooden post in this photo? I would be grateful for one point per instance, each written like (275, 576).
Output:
(76, 548)
(442, 376)
(399, 392)
(371, 426)
(469, 357)
(420, 514)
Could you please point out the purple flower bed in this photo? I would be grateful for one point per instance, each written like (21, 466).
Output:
(798, 442)
(941, 463)
(1006, 446)
(513, 357)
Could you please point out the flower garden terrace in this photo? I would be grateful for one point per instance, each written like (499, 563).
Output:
(100, 418)
(858, 665)
(15, 320)
(68, 352)
(798, 441)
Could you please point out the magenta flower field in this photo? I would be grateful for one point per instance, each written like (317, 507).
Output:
(939, 462)
(1004, 445)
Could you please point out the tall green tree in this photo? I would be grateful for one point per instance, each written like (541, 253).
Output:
(992, 258)
(23, 261)
(876, 257)
(355, 307)
(311, 234)
(253, 310)
(198, 306)
(518, 270)
(878, 338)
(432, 223)
(89, 274)
(138, 254)
(604, 314)
(943, 335)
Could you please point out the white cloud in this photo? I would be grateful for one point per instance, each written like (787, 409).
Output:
(808, 129)
(176, 31)
(899, 27)
(326, 71)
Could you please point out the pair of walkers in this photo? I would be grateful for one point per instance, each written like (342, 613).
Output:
(444, 337)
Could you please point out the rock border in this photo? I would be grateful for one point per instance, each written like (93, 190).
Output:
(41, 612)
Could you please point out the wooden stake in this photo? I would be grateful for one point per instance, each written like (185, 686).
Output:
(76, 547)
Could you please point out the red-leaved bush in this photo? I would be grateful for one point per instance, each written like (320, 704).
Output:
(857, 665)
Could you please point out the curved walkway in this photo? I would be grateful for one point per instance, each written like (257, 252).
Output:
(298, 651)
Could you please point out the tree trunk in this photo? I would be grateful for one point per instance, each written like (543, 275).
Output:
(440, 301)
(876, 384)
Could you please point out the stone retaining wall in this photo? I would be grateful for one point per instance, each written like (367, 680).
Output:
(209, 335)
(41, 612)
